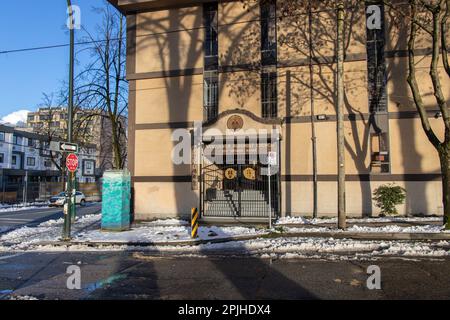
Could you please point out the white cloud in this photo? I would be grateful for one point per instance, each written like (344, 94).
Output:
(15, 118)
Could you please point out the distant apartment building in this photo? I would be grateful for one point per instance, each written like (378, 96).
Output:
(25, 159)
(90, 127)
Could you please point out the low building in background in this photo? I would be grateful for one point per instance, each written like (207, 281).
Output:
(90, 127)
(27, 171)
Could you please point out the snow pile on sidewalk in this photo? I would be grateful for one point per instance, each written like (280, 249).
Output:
(25, 237)
(365, 229)
(147, 233)
(306, 221)
(400, 229)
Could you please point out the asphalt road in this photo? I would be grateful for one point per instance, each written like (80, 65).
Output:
(126, 275)
(33, 217)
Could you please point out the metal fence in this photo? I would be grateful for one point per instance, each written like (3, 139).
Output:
(12, 192)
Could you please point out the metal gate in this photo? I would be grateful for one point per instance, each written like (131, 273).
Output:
(239, 190)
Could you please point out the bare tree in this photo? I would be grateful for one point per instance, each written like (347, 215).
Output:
(104, 87)
(429, 18)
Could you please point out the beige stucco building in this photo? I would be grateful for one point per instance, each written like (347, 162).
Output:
(234, 64)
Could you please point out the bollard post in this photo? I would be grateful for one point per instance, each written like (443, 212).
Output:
(194, 223)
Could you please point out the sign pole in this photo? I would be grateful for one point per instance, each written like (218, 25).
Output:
(68, 215)
(270, 199)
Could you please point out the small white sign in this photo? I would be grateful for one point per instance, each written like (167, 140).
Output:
(272, 158)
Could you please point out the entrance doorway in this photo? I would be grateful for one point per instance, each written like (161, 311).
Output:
(239, 191)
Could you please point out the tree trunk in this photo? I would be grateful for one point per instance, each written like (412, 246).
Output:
(340, 117)
(444, 155)
(116, 146)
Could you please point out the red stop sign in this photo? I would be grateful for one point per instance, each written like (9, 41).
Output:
(72, 162)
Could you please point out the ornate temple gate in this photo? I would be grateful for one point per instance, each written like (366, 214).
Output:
(239, 190)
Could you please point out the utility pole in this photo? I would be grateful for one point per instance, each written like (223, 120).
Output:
(342, 224)
(69, 213)
(313, 115)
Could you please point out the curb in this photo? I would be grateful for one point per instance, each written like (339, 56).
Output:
(336, 235)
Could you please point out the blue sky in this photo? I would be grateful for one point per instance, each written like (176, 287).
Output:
(29, 23)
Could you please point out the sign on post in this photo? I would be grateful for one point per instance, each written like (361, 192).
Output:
(72, 162)
(272, 158)
(60, 146)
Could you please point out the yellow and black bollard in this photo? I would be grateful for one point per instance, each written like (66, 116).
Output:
(194, 223)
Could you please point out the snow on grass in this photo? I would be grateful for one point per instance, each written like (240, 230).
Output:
(400, 229)
(367, 229)
(285, 248)
(158, 234)
(168, 231)
(306, 221)
(23, 238)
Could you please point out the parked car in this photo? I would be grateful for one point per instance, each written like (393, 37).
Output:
(60, 199)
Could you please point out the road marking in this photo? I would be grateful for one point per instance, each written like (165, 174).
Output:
(14, 219)
(12, 256)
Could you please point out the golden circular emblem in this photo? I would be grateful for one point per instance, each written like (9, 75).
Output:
(230, 174)
(250, 174)
(235, 123)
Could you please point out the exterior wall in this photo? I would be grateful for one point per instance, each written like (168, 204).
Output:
(166, 81)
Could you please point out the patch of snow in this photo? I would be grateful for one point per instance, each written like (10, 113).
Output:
(25, 237)
(165, 222)
(400, 229)
(306, 221)
(22, 207)
(23, 298)
(157, 233)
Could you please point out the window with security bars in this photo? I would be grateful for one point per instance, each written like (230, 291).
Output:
(376, 64)
(211, 45)
(268, 32)
(210, 95)
(211, 63)
(269, 94)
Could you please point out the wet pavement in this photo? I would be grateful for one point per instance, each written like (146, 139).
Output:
(128, 275)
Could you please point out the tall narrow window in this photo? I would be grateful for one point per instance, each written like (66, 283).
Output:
(211, 47)
(269, 32)
(269, 93)
(210, 95)
(376, 62)
(377, 91)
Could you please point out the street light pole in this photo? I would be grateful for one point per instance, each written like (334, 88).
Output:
(69, 212)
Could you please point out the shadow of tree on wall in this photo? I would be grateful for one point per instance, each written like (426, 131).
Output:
(186, 38)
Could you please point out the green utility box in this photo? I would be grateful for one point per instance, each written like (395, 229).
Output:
(116, 196)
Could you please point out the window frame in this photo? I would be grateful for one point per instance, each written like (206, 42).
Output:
(33, 162)
(269, 94)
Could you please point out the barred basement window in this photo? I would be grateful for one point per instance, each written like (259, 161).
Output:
(268, 32)
(376, 63)
(380, 153)
(211, 95)
(269, 94)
